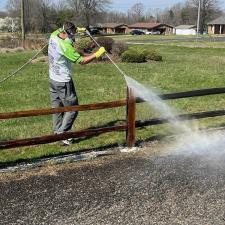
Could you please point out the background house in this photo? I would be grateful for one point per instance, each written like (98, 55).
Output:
(115, 28)
(217, 26)
(185, 30)
(152, 27)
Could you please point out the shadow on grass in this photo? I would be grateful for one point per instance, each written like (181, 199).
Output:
(78, 152)
(66, 154)
(110, 124)
(59, 155)
(87, 150)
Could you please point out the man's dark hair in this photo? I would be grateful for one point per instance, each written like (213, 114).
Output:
(69, 28)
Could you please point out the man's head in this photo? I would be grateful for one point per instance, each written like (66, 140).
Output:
(70, 29)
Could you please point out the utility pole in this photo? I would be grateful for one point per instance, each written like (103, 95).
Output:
(199, 14)
(22, 22)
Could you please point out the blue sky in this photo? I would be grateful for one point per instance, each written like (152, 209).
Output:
(123, 5)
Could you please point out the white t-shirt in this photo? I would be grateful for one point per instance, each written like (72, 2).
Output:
(61, 55)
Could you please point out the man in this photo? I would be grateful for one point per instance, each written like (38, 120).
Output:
(61, 55)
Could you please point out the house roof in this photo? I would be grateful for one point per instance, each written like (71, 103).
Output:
(147, 25)
(219, 21)
(113, 25)
(144, 25)
(185, 27)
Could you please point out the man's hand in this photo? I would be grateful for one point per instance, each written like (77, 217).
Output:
(100, 52)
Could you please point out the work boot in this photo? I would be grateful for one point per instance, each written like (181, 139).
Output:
(67, 142)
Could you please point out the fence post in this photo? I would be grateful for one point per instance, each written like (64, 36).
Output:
(131, 117)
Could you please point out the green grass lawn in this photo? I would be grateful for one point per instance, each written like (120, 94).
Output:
(188, 44)
(190, 41)
(182, 69)
(147, 37)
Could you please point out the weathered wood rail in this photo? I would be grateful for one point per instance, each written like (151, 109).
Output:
(41, 112)
(129, 127)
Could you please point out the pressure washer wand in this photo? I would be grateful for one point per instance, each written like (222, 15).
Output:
(121, 71)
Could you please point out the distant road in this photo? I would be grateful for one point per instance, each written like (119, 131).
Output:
(209, 39)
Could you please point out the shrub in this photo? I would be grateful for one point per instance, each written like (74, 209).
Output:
(9, 42)
(157, 58)
(43, 59)
(119, 48)
(84, 44)
(35, 44)
(106, 42)
(5, 37)
(133, 55)
(11, 50)
(136, 55)
(151, 54)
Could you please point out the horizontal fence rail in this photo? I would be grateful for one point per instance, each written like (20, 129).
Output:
(189, 94)
(41, 112)
(129, 127)
(192, 116)
(59, 137)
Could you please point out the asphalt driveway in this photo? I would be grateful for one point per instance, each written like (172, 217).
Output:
(146, 187)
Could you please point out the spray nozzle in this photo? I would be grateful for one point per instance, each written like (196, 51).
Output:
(81, 29)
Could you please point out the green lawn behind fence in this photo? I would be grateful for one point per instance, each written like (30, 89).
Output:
(182, 69)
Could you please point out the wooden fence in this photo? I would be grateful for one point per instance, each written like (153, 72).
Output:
(129, 127)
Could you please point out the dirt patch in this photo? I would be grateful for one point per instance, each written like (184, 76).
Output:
(53, 168)
(41, 59)
(12, 50)
(218, 59)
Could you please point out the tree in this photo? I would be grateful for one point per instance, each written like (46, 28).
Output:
(157, 13)
(44, 6)
(9, 24)
(185, 16)
(75, 5)
(187, 13)
(114, 17)
(46, 15)
(36, 13)
(13, 7)
(171, 16)
(3, 14)
(137, 12)
(88, 11)
(209, 8)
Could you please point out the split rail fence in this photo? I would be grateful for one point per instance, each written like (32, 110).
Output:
(130, 125)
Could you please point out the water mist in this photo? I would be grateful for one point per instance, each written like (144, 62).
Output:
(192, 140)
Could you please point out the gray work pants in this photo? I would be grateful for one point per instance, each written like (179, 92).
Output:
(63, 94)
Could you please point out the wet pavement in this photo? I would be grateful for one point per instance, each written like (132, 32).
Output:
(145, 187)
